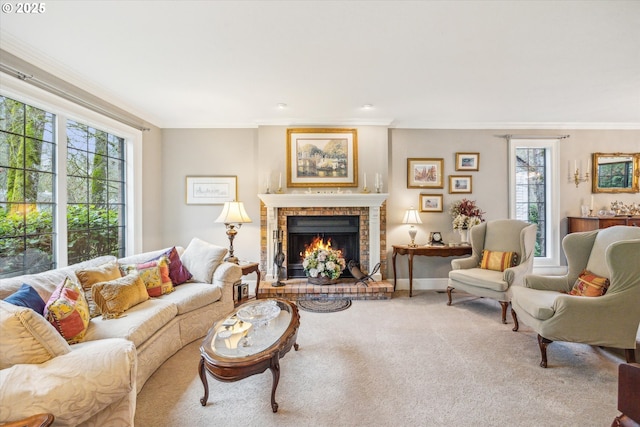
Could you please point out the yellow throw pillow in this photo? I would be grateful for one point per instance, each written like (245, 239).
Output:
(154, 274)
(589, 285)
(119, 295)
(498, 261)
(90, 276)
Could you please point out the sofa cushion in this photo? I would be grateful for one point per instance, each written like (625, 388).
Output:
(202, 258)
(90, 276)
(177, 271)
(589, 285)
(487, 279)
(154, 274)
(117, 296)
(193, 295)
(26, 296)
(67, 310)
(137, 325)
(537, 303)
(27, 337)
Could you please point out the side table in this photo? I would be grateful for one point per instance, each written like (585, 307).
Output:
(441, 251)
(251, 267)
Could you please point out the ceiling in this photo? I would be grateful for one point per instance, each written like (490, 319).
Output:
(419, 64)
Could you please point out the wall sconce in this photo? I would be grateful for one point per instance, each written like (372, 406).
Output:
(232, 215)
(577, 177)
(411, 216)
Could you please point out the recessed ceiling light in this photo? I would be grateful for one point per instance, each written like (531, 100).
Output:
(282, 105)
(367, 106)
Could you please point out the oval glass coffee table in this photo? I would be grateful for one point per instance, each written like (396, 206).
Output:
(249, 341)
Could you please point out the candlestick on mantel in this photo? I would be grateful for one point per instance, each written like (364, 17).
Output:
(365, 180)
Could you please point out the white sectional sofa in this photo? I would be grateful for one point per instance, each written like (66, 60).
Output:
(95, 382)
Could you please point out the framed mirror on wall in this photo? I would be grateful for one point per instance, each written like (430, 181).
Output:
(615, 172)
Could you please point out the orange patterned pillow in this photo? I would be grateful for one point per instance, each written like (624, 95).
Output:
(498, 261)
(590, 285)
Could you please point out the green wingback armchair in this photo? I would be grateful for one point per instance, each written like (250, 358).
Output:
(610, 320)
(503, 235)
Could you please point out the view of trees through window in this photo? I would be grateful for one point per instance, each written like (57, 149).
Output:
(95, 173)
(531, 182)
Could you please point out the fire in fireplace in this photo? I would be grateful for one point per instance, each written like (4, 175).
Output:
(342, 231)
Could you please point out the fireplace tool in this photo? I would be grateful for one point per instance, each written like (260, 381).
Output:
(280, 272)
(361, 276)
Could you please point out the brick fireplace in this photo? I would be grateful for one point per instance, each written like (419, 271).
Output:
(369, 208)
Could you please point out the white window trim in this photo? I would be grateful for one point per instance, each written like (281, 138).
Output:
(65, 110)
(552, 194)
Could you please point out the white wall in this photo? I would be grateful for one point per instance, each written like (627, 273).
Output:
(252, 154)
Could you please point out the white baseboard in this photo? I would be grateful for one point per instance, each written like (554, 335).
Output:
(438, 284)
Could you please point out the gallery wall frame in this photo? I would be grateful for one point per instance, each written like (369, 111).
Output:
(431, 203)
(319, 157)
(425, 173)
(211, 190)
(459, 184)
(467, 161)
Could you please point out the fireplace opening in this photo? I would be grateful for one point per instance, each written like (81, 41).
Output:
(343, 231)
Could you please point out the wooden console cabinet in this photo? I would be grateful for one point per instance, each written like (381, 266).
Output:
(578, 223)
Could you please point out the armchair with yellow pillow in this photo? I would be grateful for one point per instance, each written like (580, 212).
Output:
(503, 252)
(596, 302)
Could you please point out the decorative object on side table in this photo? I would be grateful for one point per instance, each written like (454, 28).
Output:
(435, 239)
(233, 215)
(465, 215)
(322, 265)
(411, 216)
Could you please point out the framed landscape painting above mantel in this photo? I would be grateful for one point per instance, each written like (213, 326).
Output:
(322, 158)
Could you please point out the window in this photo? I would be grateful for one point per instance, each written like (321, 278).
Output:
(534, 193)
(95, 193)
(40, 228)
(27, 199)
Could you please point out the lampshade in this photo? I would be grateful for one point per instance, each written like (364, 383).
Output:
(233, 213)
(411, 216)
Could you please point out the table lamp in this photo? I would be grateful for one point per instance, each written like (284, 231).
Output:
(411, 216)
(233, 216)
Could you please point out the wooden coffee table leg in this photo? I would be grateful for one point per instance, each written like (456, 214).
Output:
(203, 377)
(275, 370)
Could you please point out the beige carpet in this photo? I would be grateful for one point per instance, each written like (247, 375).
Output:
(401, 362)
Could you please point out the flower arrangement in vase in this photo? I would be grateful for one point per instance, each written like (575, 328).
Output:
(322, 264)
(465, 214)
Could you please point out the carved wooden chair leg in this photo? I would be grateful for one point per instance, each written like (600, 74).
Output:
(515, 320)
(449, 289)
(504, 305)
(543, 343)
(630, 353)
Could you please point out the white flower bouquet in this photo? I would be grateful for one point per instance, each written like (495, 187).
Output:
(465, 214)
(323, 262)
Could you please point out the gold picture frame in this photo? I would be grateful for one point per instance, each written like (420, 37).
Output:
(460, 184)
(425, 173)
(211, 190)
(431, 203)
(467, 161)
(322, 157)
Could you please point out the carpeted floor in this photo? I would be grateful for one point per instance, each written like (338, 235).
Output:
(401, 362)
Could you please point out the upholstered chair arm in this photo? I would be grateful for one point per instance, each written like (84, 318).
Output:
(547, 283)
(515, 275)
(226, 275)
(74, 386)
(465, 263)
